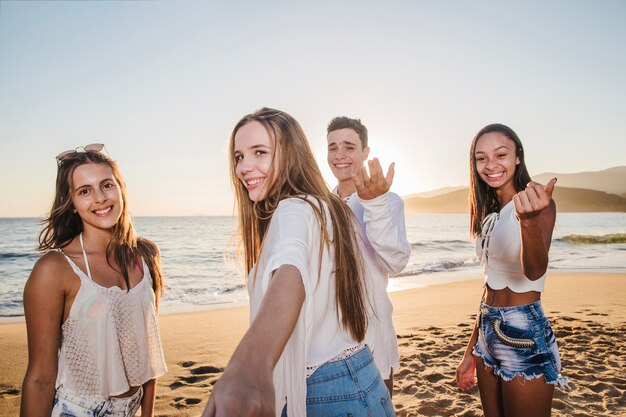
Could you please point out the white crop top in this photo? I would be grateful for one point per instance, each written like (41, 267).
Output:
(500, 251)
(110, 340)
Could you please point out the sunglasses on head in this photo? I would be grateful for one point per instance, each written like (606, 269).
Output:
(92, 147)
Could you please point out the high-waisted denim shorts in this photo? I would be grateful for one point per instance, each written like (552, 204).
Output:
(66, 404)
(518, 341)
(350, 387)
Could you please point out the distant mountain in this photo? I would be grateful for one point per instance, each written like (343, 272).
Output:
(434, 193)
(612, 180)
(453, 202)
(567, 200)
(584, 200)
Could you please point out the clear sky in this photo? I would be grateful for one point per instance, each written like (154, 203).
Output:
(162, 83)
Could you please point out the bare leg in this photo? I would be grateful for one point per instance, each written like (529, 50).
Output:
(389, 383)
(489, 387)
(527, 397)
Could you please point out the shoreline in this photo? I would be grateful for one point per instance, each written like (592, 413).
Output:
(587, 310)
(396, 284)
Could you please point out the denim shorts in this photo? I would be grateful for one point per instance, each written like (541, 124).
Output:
(518, 341)
(350, 387)
(67, 404)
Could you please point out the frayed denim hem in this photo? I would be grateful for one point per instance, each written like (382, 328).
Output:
(561, 382)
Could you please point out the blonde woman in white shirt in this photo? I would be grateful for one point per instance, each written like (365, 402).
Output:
(303, 354)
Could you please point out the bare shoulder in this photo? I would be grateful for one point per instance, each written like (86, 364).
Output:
(52, 261)
(51, 271)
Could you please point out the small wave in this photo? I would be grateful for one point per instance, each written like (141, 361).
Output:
(439, 242)
(451, 242)
(10, 315)
(14, 255)
(438, 267)
(591, 239)
(228, 290)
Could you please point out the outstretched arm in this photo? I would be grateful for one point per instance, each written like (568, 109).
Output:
(246, 388)
(537, 215)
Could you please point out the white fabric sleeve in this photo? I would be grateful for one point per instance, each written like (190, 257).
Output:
(293, 235)
(386, 231)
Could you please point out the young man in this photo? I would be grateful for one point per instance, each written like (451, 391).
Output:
(381, 217)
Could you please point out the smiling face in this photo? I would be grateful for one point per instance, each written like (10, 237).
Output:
(96, 195)
(496, 159)
(253, 150)
(345, 153)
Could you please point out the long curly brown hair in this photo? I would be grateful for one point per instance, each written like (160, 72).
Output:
(63, 224)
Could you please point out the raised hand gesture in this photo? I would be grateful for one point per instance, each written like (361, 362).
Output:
(530, 202)
(375, 184)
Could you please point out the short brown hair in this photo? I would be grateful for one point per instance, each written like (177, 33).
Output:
(343, 122)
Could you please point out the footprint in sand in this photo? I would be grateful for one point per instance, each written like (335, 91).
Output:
(182, 402)
(605, 389)
(433, 409)
(8, 391)
(208, 369)
(470, 413)
(199, 374)
(434, 377)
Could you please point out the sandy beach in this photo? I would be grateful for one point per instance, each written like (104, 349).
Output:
(587, 310)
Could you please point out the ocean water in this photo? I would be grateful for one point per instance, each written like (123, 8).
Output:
(201, 270)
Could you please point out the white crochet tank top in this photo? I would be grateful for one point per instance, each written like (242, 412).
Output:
(110, 340)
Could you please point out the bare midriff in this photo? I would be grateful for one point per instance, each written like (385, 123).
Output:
(508, 298)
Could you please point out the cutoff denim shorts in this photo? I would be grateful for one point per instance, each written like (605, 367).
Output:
(350, 387)
(67, 404)
(518, 341)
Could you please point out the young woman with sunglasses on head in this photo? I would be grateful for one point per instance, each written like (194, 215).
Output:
(512, 349)
(303, 354)
(91, 300)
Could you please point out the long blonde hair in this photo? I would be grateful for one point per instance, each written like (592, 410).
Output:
(294, 174)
